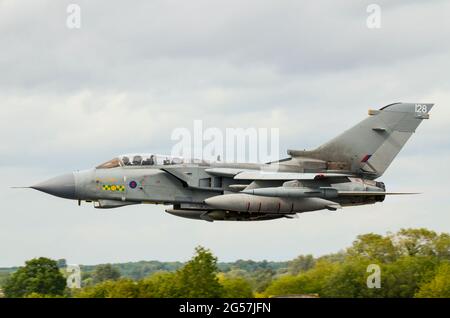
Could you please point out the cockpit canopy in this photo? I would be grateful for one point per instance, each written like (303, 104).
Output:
(145, 160)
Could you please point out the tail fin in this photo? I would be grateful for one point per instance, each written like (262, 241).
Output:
(369, 147)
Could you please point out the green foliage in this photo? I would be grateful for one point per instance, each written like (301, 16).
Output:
(136, 270)
(407, 259)
(439, 286)
(301, 264)
(39, 275)
(235, 287)
(251, 266)
(348, 279)
(159, 285)
(37, 295)
(441, 245)
(3, 278)
(104, 272)
(198, 278)
(262, 278)
(317, 277)
(375, 247)
(412, 262)
(334, 257)
(404, 277)
(311, 281)
(122, 288)
(142, 269)
(286, 285)
(418, 242)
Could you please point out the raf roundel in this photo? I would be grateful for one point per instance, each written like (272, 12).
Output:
(133, 184)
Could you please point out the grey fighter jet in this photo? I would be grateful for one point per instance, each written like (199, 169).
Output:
(339, 173)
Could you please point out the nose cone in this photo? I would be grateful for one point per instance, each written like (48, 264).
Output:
(61, 186)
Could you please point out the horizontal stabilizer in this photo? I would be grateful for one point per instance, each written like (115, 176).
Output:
(238, 186)
(333, 207)
(224, 172)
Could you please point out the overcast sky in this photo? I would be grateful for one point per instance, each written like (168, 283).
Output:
(134, 71)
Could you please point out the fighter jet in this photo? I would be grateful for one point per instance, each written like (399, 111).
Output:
(339, 173)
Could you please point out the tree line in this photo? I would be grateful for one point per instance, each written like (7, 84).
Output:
(411, 263)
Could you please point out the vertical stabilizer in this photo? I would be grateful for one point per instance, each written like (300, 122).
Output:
(370, 146)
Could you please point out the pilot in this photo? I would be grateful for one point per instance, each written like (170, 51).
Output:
(137, 160)
(126, 161)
